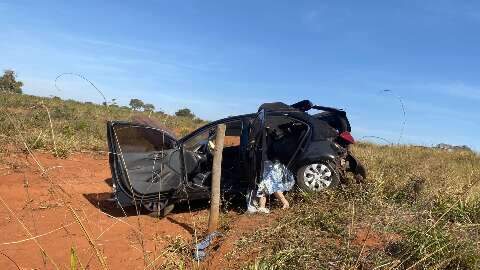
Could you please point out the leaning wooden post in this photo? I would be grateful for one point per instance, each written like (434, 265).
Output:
(216, 175)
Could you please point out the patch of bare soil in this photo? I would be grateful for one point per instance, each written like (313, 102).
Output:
(368, 239)
(39, 229)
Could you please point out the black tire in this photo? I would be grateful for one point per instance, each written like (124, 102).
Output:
(317, 183)
(159, 210)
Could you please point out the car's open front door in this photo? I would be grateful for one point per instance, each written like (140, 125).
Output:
(257, 149)
(146, 162)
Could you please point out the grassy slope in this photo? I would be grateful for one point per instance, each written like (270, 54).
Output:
(76, 126)
(420, 206)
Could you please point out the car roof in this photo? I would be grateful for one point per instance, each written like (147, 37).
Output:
(321, 129)
(277, 106)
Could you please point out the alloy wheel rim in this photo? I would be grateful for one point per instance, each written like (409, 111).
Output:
(155, 206)
(317, 176)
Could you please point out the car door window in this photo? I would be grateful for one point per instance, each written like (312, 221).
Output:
(233, 133)
(149, 159)
(284, 134)
(137, 139)
(202, 145)
(193, 143)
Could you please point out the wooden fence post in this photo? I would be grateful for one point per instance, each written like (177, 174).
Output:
(216, 175)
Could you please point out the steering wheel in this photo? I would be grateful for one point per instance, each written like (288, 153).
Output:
(205, 148)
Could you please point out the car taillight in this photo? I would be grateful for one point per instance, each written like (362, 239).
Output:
(347, 137)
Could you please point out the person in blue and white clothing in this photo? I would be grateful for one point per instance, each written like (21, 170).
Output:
(276, 179)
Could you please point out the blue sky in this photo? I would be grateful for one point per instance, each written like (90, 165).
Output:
(222, 58)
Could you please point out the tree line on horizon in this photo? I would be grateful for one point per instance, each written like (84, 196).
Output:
(10, 84)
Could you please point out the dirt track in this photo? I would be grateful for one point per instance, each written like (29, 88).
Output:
(127, 240)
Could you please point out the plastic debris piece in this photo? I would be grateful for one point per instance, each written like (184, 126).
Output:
(200, 252)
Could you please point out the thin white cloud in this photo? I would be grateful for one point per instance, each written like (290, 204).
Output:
(103, 43)
(462, 90)
(453, 89)
(448, 9)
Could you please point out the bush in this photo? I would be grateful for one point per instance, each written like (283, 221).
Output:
(9, 83)
(185, 112)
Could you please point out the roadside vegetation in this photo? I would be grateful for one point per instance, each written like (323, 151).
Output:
(67, 126)
(419, 209)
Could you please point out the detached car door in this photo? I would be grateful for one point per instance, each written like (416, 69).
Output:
(146, 162)
(257, 149)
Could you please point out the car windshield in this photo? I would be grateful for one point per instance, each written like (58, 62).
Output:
(194, 142)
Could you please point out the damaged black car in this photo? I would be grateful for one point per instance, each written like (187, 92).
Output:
(152, 169)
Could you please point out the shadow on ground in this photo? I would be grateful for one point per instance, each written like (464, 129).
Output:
(106, 203)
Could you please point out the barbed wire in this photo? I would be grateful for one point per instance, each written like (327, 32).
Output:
(402, 126)
(83, 78)
(402, 129)
(377, 137)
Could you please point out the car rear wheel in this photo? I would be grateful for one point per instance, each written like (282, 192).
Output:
(158, 209)
(317, 177)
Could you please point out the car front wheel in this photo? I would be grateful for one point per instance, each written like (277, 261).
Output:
(158, 209)
(317, 177)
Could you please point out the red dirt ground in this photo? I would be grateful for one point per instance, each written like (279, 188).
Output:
(127, 242)
(85, 178)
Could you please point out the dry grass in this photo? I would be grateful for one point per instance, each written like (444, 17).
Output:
(405, 173)
(420, 210)
(67, 126)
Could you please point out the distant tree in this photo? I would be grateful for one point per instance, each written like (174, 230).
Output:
(148, 107)
(185, 112)
(136, 104)
(9, 83)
